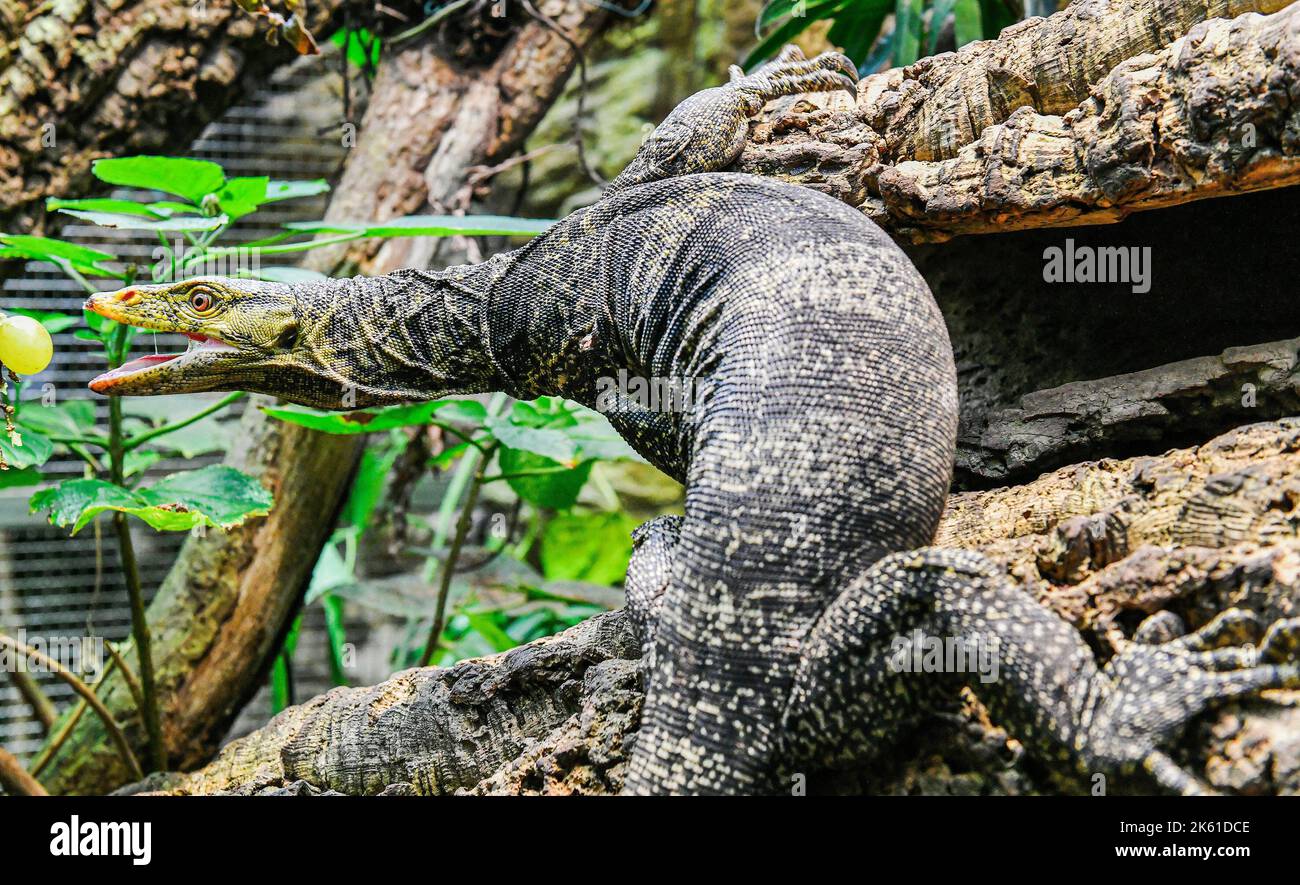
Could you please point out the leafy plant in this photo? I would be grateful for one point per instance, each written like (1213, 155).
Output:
(857, 26)
(544, 452)
(203, 204)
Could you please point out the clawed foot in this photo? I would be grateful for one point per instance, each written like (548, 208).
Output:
(790, 74)
(1156, 688)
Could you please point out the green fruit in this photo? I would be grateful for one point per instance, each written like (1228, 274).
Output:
(25, 346)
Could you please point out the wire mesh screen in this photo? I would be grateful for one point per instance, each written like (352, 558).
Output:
(53, 585)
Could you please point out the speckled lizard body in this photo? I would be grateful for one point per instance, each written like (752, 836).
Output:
(819, 445)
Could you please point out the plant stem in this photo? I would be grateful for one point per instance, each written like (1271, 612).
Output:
(123, 748)
(156, 432)
(131, 569)
(15, 779)
(449, 565)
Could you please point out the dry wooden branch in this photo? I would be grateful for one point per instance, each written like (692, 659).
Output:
(1184, 400)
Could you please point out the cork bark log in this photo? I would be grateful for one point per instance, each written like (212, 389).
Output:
(85, 79)
(1196, 531)
(220, 614)
(1053, 125)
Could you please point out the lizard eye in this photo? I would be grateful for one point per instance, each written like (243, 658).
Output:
(201, 300)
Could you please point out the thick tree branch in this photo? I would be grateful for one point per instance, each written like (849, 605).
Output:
(81, 80)
(1210, 114)
(1184, 400)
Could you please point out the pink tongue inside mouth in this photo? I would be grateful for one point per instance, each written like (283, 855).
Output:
(144, 362)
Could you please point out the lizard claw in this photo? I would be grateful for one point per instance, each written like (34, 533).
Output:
(791, 74)
(1151, 691)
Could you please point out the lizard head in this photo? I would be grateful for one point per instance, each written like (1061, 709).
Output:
(244, 335)
(332, 344)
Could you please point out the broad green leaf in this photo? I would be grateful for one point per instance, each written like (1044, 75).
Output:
(192, 223)
(75, 417)
(138, 461)
(200, 438)
(53, 321)
(80, 258)
(34, 451)
(591, 547)
(285, 275)
(191, 179)
(550, 443)
(169, 208)
(15, 477)
(217, 496)
(556, 490)
(362, 420)
(431, 226)
(967, 22)
(289, 190)
(907, 31)
(241, 196)
(118, 207)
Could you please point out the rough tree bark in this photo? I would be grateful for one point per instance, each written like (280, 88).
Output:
(1208, 114)
(220, 614)
(85, 79)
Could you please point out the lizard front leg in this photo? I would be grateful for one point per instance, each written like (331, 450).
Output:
(706, 132)
(648, 574)
(1047, 689)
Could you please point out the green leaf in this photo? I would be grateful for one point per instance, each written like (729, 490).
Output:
(363, 420)
(119, 207)
(431, 226)
(217, 496)
(289, 190)
(242, 196)
(288, 275)
(591, 547)
(192, 223)
(53, 321)
(83, 260)
(68, 418)
(14, 477)
(191, 179)
(857, 27)
(34, 451)
(138, 461)
(557, 490)
(793, 27)
(907, 31)
(939, 13)
(368, 485)
(967, 22)
(549, 443)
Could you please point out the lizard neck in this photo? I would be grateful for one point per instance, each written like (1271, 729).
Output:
(403, 337)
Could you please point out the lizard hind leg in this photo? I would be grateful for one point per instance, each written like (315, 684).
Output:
(1046, 688)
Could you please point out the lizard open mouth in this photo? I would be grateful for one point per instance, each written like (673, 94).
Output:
(157, 367)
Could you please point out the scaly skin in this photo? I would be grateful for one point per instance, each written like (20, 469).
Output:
(821, 441)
